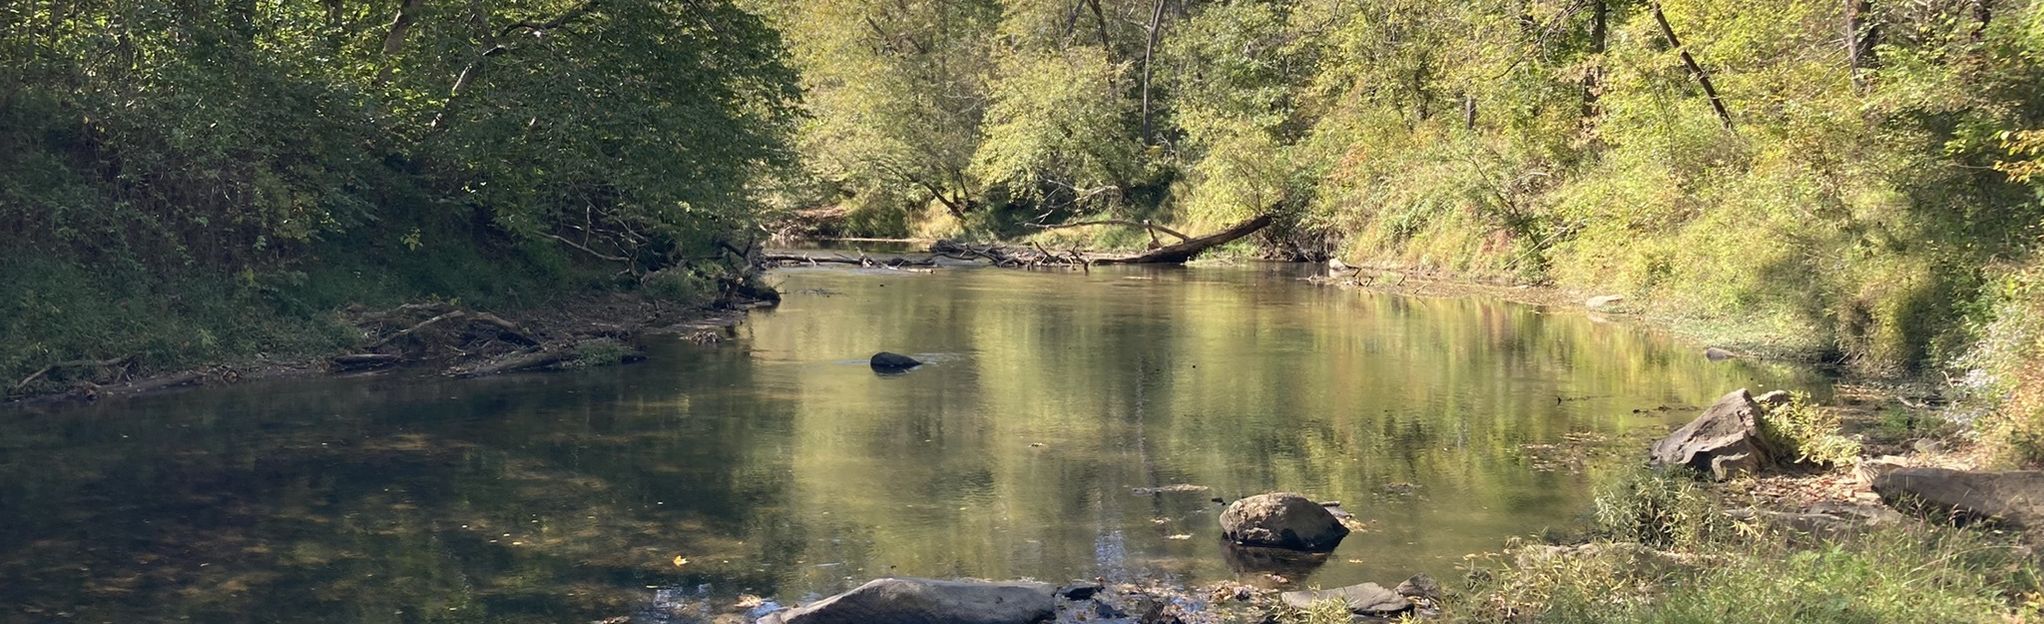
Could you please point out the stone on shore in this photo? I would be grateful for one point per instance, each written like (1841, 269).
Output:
(1723, 442)
(1364, 599)
(2013, 498)
(926, 601)
(1282, 520)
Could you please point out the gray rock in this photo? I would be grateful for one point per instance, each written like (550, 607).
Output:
(1715, 354)
(925, 601)
(1420, 586)
(1772, 400)
(893, 362)
(1282, 520)
(1364, 599)
(1723, 442)
(2014, 498)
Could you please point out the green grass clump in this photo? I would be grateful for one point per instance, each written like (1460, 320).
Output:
(1664, 558)
(1912, 574)
(1809, 431)
(1658, 509)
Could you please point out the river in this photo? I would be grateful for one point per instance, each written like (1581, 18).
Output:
(776, 463)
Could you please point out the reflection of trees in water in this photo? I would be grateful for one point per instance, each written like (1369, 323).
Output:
(1241, 385)
(360, 500)
(548, 499)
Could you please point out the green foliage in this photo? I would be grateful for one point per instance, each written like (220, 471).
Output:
(1809, 431)
(165, 152)
(1551, 141)
(1056, 126)
(2003, 371)
(1659, 509)
(681, 285)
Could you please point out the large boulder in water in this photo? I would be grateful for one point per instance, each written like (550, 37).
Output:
(1723, 442)
(2013, 498)
(893, 362)
(925, 601)
(1282, 520)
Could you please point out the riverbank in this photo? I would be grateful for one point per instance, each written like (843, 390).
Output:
(592, 329)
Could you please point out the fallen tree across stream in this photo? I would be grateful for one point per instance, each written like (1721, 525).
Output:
(1036, 255)
(1180, 252)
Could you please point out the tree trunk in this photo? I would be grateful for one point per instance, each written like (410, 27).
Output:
(1101, 17)
(1695, 69)
(1150, 51)
(1861, 33)
(1181, 252)
(1468, 111)
(394, 39)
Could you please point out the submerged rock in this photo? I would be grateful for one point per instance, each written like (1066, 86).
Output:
(1285, 562)
(1282, 520)
(925, 601)
(1723, 442)
(893, 362)
(1364, 599)
(2013, 498)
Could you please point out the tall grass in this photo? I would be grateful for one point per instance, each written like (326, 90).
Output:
(1703, 568)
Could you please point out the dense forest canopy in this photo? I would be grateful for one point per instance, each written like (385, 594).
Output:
(321, 153)
(1855, 172)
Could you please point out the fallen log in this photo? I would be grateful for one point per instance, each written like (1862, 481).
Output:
(862, 260)
(364, 361)
(1007, 256)
(1189, 249)
(123, 363)
(506, 330)
(1141, 224)
(518, 362)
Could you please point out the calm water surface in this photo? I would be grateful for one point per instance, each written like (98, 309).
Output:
(776, 463)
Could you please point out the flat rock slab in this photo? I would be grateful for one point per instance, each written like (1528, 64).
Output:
(1364, 599)
(2013, 498)
(926, 601)
(1725, 441)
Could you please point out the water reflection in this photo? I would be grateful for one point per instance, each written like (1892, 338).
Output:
(779, 464)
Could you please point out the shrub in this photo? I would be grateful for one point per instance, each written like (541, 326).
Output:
(1809, 431)
(2005, 373)
(1661, 509)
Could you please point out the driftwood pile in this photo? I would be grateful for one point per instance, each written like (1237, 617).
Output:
(863, 261)
(1033, 256)
(472, 344)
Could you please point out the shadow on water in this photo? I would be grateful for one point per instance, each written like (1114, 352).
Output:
(1066, 426)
